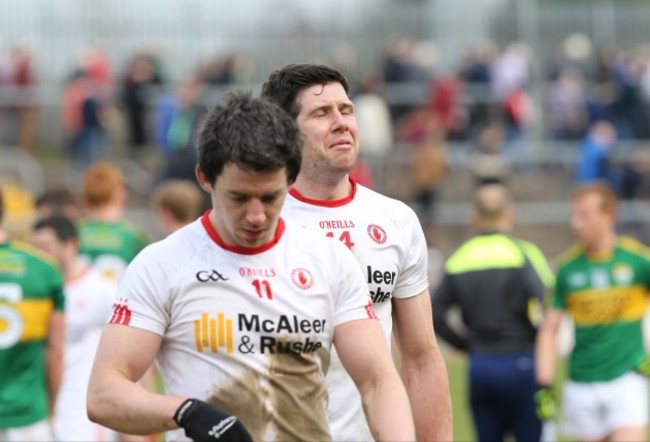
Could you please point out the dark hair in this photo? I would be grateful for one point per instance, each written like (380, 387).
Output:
(253, 133)
(285, 84)
(57, 198)
(63, 227)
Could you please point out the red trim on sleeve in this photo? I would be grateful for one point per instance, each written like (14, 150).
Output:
(371, 311)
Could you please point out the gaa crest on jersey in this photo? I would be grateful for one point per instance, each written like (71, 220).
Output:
(376, 233)
(302, 278)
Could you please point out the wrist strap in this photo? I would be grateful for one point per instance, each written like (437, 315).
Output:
(184, 410)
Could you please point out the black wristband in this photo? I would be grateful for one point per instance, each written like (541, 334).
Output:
(183, 412)
(204, 422)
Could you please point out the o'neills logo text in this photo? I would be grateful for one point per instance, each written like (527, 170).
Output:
(251, 271)
(336, 224)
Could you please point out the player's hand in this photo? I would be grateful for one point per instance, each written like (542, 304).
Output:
(546, 403)
(644, 367)
(204, 423)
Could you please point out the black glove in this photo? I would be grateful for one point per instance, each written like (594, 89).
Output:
(546, 403)
(204, 423)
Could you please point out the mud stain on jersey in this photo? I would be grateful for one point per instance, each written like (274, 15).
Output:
(298, 395)
(289, 402)
(244, 398)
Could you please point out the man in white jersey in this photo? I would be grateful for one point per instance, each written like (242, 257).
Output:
(241, 308)
(384, 234)
(88, 302)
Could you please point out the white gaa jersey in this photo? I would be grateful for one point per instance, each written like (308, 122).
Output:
(246, 330)
(88, 302)
(387, 239)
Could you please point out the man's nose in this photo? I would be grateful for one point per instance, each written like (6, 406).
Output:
(255, 212)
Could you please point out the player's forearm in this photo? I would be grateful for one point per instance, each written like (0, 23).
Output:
(387, 410)
(54, 373)
(427, 386)
(54, 356)
(545, 357)
(117, 403)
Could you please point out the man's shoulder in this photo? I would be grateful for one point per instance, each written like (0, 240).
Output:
(177, 246)
(570, 256)
(34, 255)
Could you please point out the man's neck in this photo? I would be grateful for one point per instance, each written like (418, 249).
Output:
(604, 245)
(324, 188)
(106, 214)
(74, 269)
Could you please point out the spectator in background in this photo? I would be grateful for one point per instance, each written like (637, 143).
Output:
(176, 203)
(475, 74)
(106, 239)
(33, 334)
(398, 71)
(568, 105)
(510, 76)
(498, 282)
(373, 116)
(176, 124)
(141, 76)
(429, 167)
(488, 164)
(21, 112)
(594, 157)
(88, 304)
(82, 114)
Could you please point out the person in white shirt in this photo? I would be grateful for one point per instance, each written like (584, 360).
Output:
(88, 303)
(385, 236)
(241, 308)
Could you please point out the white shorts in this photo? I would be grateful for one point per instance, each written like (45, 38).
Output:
(593, 410)
(41, 431)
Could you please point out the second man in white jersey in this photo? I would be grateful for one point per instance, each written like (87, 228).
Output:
(384, 234)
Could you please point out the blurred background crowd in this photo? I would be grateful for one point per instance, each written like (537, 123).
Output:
(538, 94)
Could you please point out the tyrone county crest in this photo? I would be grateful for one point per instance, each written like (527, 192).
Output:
(302, 278)
(377, 234)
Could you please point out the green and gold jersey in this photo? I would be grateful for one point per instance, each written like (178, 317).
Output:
(607, 298)
(110, 246)
(31, 288)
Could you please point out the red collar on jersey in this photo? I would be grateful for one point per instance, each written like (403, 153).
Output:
(329, 203)
(279, 230)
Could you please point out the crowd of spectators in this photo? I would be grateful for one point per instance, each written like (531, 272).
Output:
(416, 106)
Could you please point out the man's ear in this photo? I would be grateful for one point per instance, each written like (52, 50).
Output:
(202, 180)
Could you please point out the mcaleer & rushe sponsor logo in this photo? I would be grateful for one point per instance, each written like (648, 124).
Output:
(288, 334)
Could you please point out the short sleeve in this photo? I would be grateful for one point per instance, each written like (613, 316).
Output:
(349, 289)
(413, 276)
(143, 293)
